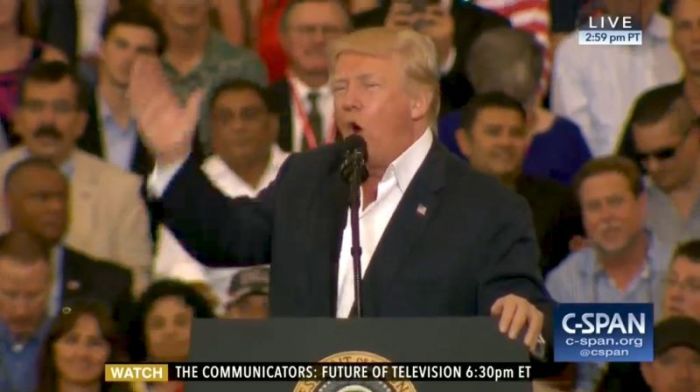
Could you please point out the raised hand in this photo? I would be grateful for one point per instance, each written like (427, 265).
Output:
(166, 127)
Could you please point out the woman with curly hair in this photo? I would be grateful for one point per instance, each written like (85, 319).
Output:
(162, 324)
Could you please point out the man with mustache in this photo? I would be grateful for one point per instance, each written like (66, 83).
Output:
(108, 216)
(625, 262)
(495, 138)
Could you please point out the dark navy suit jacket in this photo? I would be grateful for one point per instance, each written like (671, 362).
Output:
(474, 244)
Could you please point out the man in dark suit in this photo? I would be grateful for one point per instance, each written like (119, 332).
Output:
(36, 194)
(452, 30)
(303, 100)
(111, 131)
(438, 239)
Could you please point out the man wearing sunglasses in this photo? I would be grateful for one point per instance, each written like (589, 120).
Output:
(667, 145)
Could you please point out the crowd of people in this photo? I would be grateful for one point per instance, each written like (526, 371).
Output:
(601, 143)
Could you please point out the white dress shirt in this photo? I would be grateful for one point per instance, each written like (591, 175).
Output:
(173, 261)
(595, 86)
(325, 107)
(375, 217)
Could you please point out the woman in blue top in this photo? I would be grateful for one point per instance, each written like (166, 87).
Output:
(510, 61)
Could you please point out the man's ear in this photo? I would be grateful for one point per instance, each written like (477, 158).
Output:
(80, 122)
(463, 142)
(420, 104)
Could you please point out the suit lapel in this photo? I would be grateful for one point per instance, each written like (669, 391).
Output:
(91, 140)
(404, 229)
(83, 184)
(72, 285)
(285, 132)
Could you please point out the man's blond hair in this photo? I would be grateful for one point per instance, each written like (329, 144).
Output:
(416, 52)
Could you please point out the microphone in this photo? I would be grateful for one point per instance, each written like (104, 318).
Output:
(354, 166)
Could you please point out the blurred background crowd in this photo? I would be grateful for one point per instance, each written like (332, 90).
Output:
(603, 142)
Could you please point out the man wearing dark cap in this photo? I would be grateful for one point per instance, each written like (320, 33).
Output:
(676, 365)
(248, 294)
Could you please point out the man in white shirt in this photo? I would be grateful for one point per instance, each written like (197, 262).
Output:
(245, 161)
(595, 86)
(438, 239)
(304, 100)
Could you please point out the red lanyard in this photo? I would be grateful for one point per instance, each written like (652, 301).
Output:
(306, 124)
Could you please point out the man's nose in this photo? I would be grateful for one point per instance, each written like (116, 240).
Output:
(20, 309)
(652, 164)
(350, 100)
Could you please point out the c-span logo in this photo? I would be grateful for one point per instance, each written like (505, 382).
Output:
(604, 333)
(354, 386)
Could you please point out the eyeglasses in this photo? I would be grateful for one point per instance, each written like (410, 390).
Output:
(661, 154)
(692, 286)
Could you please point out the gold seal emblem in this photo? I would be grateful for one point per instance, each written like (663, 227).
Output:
(354, 386)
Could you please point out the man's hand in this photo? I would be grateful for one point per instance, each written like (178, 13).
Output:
(400, 15)
(166, 127)
(438, 24)
(516, 313)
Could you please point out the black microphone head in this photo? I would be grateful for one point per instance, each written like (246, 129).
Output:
(354, 158)
(353, 143)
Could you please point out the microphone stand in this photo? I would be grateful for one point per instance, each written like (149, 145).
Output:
(356, 249)
(354, 172)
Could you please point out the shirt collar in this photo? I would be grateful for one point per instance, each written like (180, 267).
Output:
(217, 168)
(303, 90)
(40, 333)
(652, 265)
(103, 108)
(404, 167)
(67, 167)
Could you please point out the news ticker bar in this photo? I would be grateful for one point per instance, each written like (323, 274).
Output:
(610, 37)
(504, 371)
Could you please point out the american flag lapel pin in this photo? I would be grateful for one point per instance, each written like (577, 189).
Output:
(421, 210)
